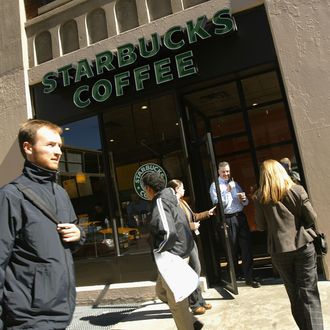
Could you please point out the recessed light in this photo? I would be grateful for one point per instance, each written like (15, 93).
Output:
(144, 107)
(112, 140)
(254, 104)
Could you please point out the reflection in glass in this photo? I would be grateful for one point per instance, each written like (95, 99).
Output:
(83, 178)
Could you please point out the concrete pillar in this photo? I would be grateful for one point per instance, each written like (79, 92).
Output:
(14, 96)
(82, 31)
(177, 5)
(56, 41)
(111, 18)
(301, 37)
(142, 12)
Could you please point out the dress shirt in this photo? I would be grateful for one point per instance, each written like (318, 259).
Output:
(230, 200)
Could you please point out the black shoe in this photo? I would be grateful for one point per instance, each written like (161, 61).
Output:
(253, 284)
(198, 325)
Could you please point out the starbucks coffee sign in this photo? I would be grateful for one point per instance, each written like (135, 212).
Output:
(141, 172)
(113, 73)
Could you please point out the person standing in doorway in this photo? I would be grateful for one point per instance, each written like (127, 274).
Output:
(197, 303)
(283, 209)
(234, 200)
(295, 176)
(37, 284)
(170, 232)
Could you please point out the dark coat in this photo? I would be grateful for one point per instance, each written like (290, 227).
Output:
(169, 227)
(37, 284)
(285, 221)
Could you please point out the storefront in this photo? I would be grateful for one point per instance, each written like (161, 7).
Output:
(207, 91)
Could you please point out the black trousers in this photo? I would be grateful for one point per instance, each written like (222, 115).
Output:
(240, 235)
(298, 270)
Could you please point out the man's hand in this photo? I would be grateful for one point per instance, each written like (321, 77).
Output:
(69, 232)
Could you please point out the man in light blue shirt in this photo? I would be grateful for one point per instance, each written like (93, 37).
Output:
(233, 200)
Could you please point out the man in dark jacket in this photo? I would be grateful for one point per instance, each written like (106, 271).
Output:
(170, 232)
(37, 285)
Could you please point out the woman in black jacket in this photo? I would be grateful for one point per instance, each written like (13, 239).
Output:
(283, 209)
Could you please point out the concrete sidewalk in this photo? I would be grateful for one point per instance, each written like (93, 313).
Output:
(265, 308)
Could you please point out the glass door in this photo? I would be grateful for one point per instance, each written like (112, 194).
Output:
(224, 254)
(242, 121)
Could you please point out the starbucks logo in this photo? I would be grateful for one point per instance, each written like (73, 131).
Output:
(139, 174)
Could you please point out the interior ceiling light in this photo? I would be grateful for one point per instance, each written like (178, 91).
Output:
(144, 107)
(67, 128)
(254, 104)
(112, 140)
(177, 124)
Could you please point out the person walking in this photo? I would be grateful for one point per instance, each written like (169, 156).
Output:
(234, 200)
(170, 232)
(37, 284)
(197, 303)
(283, 209)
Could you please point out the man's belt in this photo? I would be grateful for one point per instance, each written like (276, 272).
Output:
(236, 214)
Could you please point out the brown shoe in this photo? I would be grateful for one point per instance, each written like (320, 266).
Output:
(207, 306)
(199, 310)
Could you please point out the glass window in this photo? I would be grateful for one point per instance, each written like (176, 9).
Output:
(261, 88)
(269, 124)
(227, 125)
(83, 178)
(230, 145)
(73, 157)
(276, 152)
(144, 132)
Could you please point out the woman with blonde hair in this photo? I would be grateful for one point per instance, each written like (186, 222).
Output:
(283, 209)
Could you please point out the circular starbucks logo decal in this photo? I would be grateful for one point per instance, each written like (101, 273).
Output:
(139, 174)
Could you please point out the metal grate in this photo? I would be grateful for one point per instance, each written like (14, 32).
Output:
(102, 317)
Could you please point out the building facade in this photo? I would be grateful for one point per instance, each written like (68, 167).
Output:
(172, 86)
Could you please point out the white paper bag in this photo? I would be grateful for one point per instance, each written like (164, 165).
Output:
(179, 276)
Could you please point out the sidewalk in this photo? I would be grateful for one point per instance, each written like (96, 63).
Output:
(265, 308)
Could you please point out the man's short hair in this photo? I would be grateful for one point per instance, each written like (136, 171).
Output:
(223, 164)
(286, 163)
(28, 131)
(154, 180)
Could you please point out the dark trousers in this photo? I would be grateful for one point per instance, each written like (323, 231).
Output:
(239, 232)
(195, 299)
(298, 270)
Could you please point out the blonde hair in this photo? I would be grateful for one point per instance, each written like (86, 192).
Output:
(274, 182)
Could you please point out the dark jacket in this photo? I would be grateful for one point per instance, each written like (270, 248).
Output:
(286, 221)
(37, 285)
(169, 227)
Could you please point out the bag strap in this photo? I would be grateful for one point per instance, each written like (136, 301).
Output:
(30, 195)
